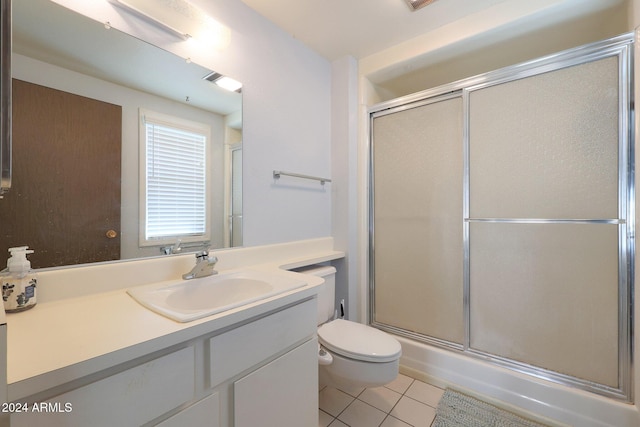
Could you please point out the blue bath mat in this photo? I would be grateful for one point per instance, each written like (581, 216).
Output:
(459, 410)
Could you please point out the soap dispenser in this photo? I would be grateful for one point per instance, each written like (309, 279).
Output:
(18, 281)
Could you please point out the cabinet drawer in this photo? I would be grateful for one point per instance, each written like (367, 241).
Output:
(127, 398)
(248, 345)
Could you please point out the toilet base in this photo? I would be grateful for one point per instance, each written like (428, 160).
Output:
(345, 372)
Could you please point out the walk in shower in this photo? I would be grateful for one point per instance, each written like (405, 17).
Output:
(502, 217)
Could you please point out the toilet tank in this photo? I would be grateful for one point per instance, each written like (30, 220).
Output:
(327, 295)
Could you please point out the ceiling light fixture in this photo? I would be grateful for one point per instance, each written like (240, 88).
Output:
(417, 4)
(224, 82)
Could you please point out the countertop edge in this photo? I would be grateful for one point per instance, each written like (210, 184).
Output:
(91, 369)
(166, 338)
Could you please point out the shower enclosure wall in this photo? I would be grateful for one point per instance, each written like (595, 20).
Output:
(502, 217)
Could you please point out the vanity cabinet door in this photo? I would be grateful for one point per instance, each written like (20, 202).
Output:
(282, 393)
(129, 398)
(204, 413)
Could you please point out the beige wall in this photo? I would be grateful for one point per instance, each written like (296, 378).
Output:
(504, 37)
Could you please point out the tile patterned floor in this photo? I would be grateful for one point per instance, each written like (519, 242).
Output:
(403, 403)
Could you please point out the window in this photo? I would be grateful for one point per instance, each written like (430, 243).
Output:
(174, 202)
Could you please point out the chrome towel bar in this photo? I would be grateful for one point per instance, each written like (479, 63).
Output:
(277, 174)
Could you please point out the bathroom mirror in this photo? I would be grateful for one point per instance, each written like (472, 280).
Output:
(68, 55)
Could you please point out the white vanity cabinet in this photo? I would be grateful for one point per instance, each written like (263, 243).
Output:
(278, 393)
(281, 393)
(260, 372)
(204, 413)
(129, 398)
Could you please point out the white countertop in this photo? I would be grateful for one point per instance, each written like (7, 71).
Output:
(66, 339)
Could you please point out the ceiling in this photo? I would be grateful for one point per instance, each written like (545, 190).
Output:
(335, 28)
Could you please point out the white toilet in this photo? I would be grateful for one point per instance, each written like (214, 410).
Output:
(350, 353)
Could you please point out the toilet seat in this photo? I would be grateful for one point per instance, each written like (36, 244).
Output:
(358, 341)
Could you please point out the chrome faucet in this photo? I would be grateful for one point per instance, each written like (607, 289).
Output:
(173, 249)
(204, 266)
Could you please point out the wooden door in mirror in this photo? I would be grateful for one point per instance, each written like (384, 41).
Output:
(70, 216)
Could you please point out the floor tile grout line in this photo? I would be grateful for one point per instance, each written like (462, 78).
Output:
(420, 401)
(353, 400)
(387, 413)
(350, 403)
(402, 395)
(396, 404)
(366, 403)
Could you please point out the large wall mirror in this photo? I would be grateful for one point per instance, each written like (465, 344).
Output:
(82, 94)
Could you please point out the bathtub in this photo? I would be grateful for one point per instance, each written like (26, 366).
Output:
(536, 398)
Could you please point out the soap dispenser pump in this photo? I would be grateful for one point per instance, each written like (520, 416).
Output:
(18, 281)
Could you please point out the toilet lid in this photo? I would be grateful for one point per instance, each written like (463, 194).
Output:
(358, 341)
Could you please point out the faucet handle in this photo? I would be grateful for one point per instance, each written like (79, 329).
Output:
(172, 249)
(203, 253)
(204, 256)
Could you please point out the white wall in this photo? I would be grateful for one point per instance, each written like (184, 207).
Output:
(286, 114)
(344, 140)
(287, 125)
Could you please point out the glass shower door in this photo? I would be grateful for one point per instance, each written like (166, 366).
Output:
(546, 173)
(417, 206)
(502, 217)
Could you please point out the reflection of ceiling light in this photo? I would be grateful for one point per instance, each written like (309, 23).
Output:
(180, 18)
(417, 4)
(229, 84)
(224, 82)
(144, 10)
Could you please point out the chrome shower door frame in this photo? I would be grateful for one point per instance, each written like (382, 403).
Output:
(620, 47)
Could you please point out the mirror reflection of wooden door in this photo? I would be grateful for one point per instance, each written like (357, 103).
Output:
(65, 202)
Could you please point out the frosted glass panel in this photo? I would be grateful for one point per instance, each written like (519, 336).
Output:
(501, 217)
(547, 146)
(418, 167)
(547, 295)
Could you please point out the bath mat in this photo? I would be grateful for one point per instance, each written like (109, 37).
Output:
(459, 410)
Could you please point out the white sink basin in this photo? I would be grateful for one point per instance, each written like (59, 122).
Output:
(187, 300)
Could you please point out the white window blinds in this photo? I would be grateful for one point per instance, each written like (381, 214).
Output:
(176, 180)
